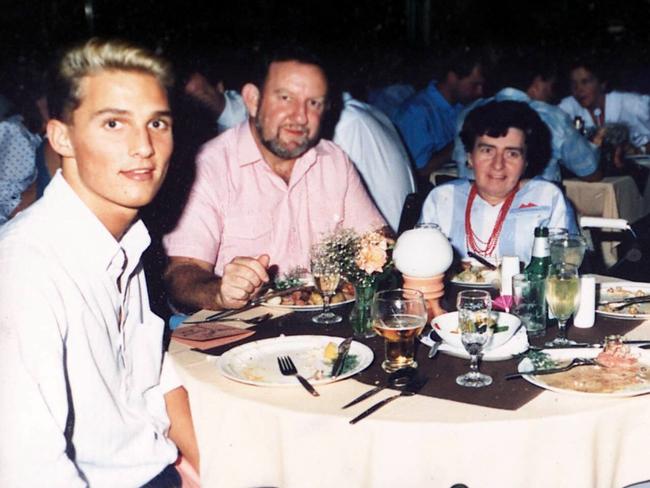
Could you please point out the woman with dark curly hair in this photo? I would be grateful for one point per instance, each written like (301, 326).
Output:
(496, 214)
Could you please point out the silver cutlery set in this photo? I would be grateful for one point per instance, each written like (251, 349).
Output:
(407, 380)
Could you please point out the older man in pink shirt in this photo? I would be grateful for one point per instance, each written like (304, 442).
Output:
(265, 191)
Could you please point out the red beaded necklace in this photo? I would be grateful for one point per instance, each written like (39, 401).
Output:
(471, 238)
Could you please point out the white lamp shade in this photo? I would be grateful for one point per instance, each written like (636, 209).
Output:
(423, 252)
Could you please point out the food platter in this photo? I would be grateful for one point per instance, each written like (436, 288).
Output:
(611, 291)
(304, 308)
(255, 363)
(564, 356)
(477, 276)
(515, 343)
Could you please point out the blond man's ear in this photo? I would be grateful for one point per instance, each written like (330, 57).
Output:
(59, 137)
(251, 95)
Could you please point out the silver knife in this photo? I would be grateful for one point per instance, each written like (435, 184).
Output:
(639, 299)
(253, 303)
(396, 379)
(587, 345)
(344, 348)
(409, 390)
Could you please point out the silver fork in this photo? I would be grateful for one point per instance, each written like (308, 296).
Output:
(287, 368)
(574, 363)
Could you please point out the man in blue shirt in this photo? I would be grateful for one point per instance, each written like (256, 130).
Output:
(532, 82)
(427, 120)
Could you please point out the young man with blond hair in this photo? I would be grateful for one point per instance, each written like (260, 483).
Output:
(86, 395)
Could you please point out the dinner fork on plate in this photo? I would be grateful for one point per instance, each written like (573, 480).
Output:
(575, 362)
(287, 368)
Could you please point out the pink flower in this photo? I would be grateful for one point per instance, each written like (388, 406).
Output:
(371, 260)
(372, 255)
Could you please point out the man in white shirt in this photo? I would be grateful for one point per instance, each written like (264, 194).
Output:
(85, 396)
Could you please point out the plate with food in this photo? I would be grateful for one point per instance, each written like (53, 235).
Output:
(256, 363)
(309, 299)
(622, 371)
(609, 293)
(508, 338)
(476, 275)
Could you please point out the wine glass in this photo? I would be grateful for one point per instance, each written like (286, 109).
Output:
(563, 297)
(326, 277)
(567, 248)
(398, 316)
(474, 308)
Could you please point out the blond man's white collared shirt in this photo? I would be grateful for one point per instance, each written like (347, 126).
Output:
(76, 331)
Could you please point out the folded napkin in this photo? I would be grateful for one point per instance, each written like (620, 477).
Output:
(603, 223)
(517, 345)
(206, 335)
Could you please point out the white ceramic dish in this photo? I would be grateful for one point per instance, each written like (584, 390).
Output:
(567, 355)
(255, 363)
(512, 342)
(604, 296)
(306, 308)
(447, 328)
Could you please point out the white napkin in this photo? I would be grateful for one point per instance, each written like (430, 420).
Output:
(604, 223)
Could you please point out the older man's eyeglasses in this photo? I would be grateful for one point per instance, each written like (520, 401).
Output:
(486, 152)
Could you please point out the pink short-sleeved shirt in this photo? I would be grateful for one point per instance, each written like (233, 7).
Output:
(239, 207)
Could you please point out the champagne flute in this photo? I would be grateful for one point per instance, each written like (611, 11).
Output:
(563, 297)
(326, 277)
(568, 248)
(474, 307)
(399, 316)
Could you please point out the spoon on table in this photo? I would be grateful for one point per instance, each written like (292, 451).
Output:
(398, 379)
(436, 342)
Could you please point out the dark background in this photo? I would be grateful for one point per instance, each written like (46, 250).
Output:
(378, 34)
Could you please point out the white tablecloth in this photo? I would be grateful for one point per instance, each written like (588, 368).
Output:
(282, 437)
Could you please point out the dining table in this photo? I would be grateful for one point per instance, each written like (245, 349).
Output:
(509, 434)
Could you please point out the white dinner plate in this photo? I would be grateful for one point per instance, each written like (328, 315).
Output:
(256, 363)
(306, 308)
(492, 280)
(567, 355)
(473, 284)
(604, 296)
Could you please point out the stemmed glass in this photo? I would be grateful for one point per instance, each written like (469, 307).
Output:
(326, 277)
(474, 307)
(563, 297)
(567, 248)
(399, 316)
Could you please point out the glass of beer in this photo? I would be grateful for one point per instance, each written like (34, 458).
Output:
(474, 316)
(563, 298)
(398, 316)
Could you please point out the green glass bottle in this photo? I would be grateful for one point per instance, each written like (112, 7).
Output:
(541, 256)
(536, 272)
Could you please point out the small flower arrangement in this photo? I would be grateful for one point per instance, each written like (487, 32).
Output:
(361, 259)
